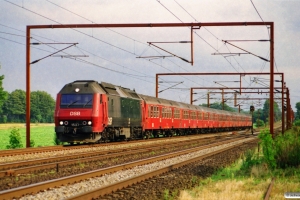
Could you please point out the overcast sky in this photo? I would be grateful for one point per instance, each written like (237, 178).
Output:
(111, 55)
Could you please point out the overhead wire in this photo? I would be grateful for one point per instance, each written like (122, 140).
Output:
(123, 36)
(216, 36)
(83, 33)
(97, 65)
(207, 31)
(266, 26)
(64, 52)
(204, 39)
(268, 35)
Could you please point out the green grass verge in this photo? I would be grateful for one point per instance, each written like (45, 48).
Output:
(235, 184)
(42, 134)
(249, 177)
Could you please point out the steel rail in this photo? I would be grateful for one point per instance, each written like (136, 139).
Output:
(9, 170)
(110, 144)
(10, 152)
(108, 154)
(21, 151)
(34, 188)
(267, 196)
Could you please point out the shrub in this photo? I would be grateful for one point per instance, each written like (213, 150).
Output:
(283, 151)
(32, 143)
(250, 158)
(268, 150)
(14, 139)
(297, 122)
(287, 150)
(260, 123)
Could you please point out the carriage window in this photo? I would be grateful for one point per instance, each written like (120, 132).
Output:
(156, 112)
(176, 113)
(210, 116)
(151, 112)
(193, 115)
(164, 113)
(185, 114)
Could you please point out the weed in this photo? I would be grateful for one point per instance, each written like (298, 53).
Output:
(15, 140)
(52, 171)
(194, 179)
(166, 194)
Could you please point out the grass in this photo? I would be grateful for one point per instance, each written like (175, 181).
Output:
(231, 183)
(247, 179)
(42, 134)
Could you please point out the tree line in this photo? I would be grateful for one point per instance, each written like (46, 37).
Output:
(13, 106)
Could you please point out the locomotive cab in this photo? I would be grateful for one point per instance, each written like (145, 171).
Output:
(79, 113)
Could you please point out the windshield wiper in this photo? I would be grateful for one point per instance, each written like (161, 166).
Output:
(87, 103)
(71, 104)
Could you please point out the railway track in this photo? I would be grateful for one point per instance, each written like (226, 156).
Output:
(14, 168)
(37, 153)
(37, 150)
(70, 165)
(17, 192)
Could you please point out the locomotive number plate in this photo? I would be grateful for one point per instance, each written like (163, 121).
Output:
(74, 113)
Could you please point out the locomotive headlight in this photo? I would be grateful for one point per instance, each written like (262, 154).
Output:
(89, 123)
(61, 122)
(66, 123)
(84, 123)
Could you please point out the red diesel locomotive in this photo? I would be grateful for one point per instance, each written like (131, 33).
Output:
(88, 111)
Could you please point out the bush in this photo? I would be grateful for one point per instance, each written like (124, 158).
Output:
(269, 152)
(32, 143)
(283, 151)
(260, 123)
(297, 122)
(250, 158)
(14, 139)
(287, 150)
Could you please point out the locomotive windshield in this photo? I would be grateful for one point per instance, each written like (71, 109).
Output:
(76, 101)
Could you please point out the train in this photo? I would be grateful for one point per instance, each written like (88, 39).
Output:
(90, 112)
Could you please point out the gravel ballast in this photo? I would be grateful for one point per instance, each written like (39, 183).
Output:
(93, 183)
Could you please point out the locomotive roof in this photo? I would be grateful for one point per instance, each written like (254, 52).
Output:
(119, 91)
(82, 86)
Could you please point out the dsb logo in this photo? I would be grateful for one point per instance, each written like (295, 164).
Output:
(75, 113)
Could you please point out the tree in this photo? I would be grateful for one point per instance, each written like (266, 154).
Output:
(3, 97)
(219, 106)
(298, 110)
(266, 111)
(14, 106)
(258, 115)
(42, 107)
